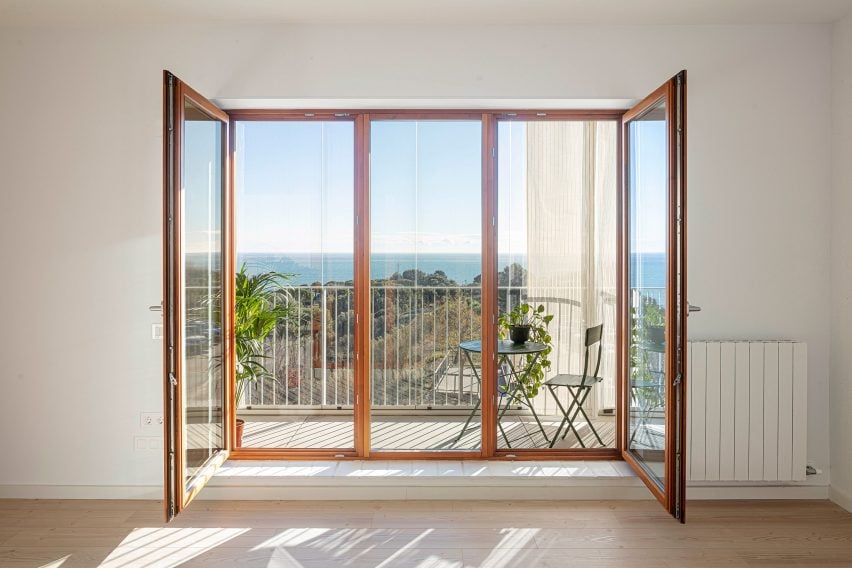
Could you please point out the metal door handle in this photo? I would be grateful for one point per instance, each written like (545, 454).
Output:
(156, 308)
(691, 308)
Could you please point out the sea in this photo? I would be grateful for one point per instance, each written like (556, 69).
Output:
(647, 269)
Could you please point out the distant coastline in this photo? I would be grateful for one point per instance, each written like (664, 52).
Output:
(464, 269)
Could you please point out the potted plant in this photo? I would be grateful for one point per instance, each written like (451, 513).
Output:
(524, 323)
(653, 322)
(262, 302)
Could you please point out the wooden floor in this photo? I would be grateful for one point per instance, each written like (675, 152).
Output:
(414, 432)
(589, 534)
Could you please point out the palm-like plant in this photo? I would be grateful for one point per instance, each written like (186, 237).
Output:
(262, 301)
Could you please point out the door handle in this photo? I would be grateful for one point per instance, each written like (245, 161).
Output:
(690, 308)
(156, 308)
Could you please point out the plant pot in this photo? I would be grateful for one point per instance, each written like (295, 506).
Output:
(241, 424)
(519, 334)
(656, 334)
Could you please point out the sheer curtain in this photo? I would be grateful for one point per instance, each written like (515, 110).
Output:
(571, 241)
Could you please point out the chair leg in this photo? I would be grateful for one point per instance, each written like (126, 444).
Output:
(552, 390)
(538, 421)
(586, 416)
(565, 418)
(575, 406)
(467, 422)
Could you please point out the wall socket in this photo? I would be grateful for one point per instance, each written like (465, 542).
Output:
(151, 419)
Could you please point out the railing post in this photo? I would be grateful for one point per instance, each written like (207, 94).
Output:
(324, 345)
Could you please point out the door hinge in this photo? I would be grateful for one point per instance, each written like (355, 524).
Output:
(171, 107)
(172, 379)
(678, 379)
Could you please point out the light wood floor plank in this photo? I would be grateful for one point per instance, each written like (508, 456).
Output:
(439, 534)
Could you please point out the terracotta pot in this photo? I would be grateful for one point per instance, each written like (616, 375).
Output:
(241, 424)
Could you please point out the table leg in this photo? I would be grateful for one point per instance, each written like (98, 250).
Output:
(478, 402)
(520, 388)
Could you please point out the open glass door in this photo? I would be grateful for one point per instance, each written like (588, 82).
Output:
(195, 301)
(653, 300)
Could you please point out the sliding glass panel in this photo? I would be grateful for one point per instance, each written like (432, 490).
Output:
(556, 270)
(295, 245)
(426, 286)
(201, 298)
(647, 175)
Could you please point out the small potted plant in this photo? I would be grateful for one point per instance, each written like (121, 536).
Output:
(653, 322)
(524, 323)
(262, 302)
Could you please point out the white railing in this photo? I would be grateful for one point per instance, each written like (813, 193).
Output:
(415, 359)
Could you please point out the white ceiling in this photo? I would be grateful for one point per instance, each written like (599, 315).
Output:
(76, 12)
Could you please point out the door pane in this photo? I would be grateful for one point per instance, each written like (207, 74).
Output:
(426, 285)
(295, 210)
(557, 251)
(647, 175)
(201, 294)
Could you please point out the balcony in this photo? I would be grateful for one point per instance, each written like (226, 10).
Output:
(422, 387)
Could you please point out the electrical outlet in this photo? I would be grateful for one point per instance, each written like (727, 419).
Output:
(151, 419)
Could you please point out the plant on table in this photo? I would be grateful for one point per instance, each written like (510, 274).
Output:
(536, 320)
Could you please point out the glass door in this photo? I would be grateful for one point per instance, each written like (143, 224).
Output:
(195, 303)
(653, 298)
(425, 263)
(294, 186)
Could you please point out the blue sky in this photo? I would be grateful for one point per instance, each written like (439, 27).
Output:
(295, 185)
(426, 186)
(202, 171)
(648, 178)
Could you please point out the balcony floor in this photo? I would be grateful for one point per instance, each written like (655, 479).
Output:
(411, 432)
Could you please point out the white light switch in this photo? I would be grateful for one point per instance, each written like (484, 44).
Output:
(156, 331)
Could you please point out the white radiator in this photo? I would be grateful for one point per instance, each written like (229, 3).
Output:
(747, 411)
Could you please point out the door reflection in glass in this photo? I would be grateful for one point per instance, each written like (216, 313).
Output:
(647, 201)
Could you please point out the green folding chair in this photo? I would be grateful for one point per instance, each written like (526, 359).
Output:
(579, 387)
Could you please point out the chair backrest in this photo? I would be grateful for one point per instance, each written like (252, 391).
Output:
(593, 338)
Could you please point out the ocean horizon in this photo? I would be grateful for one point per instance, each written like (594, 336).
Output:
(463, 268)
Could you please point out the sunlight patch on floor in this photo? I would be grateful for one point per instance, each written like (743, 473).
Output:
(167, 546)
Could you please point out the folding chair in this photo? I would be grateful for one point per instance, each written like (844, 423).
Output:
(579, 387)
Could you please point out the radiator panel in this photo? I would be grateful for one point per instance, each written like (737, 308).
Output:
(747, 411)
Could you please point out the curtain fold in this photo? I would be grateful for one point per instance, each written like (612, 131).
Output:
(571, 240)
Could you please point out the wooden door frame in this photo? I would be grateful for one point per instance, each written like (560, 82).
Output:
(176, 493)
(489, 118)
(673, 92)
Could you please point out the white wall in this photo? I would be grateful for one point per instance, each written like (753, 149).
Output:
(841, 263)
(80, 156)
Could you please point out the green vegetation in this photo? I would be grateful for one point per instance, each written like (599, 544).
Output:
(263, 302)
(533, 316)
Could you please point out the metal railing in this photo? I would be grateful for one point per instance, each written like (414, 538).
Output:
(415, 359)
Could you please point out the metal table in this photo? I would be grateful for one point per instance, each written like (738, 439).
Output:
(511, 388)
